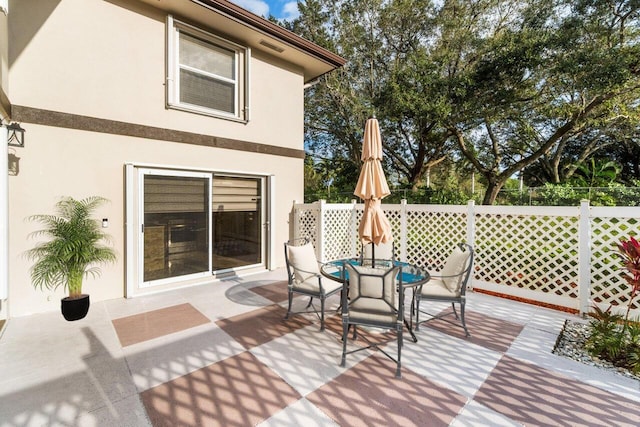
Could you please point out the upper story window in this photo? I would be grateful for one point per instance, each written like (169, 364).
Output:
(206, 74)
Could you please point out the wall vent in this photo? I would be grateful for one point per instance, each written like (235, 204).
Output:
(271, 46)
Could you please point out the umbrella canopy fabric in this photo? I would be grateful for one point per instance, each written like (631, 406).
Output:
(374, 226)
(372, 182)
(372, 187)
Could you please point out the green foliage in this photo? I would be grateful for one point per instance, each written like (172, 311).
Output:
(614, 337)
(596, 174)
(629, 252)
(444, 196)
(610, 341)
(507, 86)
(331, 180)
(74, 246)
(633, 329)
(559, 195)
(605, 340)
(566, 194)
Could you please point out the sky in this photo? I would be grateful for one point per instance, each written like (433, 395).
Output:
(281, 9)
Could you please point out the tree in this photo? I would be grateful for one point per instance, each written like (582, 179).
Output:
(376, 37)
(509, 85)
(535, 79)
(596, 174)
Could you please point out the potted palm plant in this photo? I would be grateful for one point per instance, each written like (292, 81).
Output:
(76, 245)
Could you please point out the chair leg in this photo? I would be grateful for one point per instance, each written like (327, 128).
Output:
(455, 313)
(400, 343)
(464, 325)
(417, 328)
(412, 311)
(289, 308)
(321, 314)
(345, 332)
(310, 301)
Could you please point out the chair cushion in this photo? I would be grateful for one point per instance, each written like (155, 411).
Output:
(304, 262)
(372, 310)
(454, 266)
(374, 283)
(435, 287)
(306, 271)
(382, 250)
(311, 285)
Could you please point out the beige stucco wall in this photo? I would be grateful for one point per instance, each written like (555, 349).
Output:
(4, 220)
(60, 162)
(102, 59)
(106, 59)
(4, 52)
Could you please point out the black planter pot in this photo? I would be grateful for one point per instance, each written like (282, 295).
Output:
(75, 308)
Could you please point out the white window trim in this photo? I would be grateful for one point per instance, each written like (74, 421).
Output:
(241, 81)
(142, 172)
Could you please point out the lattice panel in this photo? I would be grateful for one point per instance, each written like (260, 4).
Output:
(538, 253)
(395, 217)
(431, 236)
(518, 250)
(306, 222)
(336, 234)
(608, 288)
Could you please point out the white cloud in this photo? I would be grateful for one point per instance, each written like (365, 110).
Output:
(290, 10)
(259, 7)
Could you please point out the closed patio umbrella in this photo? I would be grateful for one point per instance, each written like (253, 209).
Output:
(372, 188)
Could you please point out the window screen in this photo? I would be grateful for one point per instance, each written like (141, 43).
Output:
(206, 73)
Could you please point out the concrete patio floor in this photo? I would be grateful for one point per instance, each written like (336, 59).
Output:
(221, 354)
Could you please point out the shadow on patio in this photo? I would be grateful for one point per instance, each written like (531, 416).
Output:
(244, 365)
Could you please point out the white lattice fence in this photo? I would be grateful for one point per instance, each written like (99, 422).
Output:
(432, 233)
(532, 255)
(394, 215)
(608, 226)
(306, 222)
(337, 232)
(556, 255)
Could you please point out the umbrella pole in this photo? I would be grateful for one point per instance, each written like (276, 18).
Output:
(373, 254)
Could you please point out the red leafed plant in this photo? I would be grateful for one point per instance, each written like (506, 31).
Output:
(629, 251)
(608, 339)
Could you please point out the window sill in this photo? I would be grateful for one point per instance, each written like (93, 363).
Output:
(202, 112)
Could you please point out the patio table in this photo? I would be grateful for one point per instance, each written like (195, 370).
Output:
(412, 275)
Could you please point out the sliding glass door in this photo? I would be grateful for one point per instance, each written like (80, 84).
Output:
(237, 222)
(176, 224)
(197, 224)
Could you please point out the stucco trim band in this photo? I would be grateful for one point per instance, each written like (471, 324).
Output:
(38, 116)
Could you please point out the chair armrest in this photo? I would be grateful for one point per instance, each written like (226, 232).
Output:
(451, 275)
(313, 273)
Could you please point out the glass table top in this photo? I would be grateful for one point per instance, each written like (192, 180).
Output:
(412, 275)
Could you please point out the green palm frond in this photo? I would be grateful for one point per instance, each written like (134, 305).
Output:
(76, 243)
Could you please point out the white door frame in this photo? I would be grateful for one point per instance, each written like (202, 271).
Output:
(133, 223)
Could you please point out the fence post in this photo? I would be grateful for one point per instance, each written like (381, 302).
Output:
(403, 230)
(320, 230)
(353, 229)
(293, 222)
(584, 258)
(471, 231)
(471, 222)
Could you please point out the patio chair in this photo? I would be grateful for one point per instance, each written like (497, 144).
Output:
(304, 277)
(448, 285)
(375, 299)
(371, 252)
